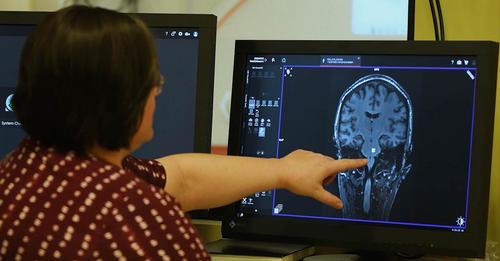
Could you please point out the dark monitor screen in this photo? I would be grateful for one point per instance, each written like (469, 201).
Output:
(420, 112)
(185, 45)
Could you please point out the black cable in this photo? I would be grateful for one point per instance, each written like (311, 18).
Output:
(440, 18)
(434, 22)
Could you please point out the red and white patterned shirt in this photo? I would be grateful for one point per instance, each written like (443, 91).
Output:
(60, 205)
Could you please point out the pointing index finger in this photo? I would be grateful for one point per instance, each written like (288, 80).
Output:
(345, 164)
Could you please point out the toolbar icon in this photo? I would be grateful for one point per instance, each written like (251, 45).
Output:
(8, 103)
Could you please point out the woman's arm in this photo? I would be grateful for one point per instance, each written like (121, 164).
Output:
(201, 181)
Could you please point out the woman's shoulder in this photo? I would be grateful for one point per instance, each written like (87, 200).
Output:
(150, 171)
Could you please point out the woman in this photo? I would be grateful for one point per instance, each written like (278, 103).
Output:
(86, 98)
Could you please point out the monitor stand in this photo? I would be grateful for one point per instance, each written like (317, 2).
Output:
(255, 249)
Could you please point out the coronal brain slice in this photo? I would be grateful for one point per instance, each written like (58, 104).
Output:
(373, 120)
(374, 117)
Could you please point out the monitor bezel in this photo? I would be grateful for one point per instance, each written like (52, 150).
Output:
(377, 237)
(207, 25)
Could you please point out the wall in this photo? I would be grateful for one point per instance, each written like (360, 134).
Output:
(19, 5)
(471, 20)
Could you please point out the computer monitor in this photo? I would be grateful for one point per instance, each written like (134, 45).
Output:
(420, 112)
(186, 50)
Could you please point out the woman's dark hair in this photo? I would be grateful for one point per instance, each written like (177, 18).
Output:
(84, 79)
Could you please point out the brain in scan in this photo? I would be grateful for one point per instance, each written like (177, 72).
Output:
(374, 121)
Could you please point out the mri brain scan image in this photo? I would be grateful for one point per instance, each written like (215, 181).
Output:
(373, 121)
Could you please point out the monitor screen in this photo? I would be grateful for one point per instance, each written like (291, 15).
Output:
(417, 111)
(185, 46)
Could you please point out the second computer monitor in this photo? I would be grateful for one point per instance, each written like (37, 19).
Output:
(186, 49)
